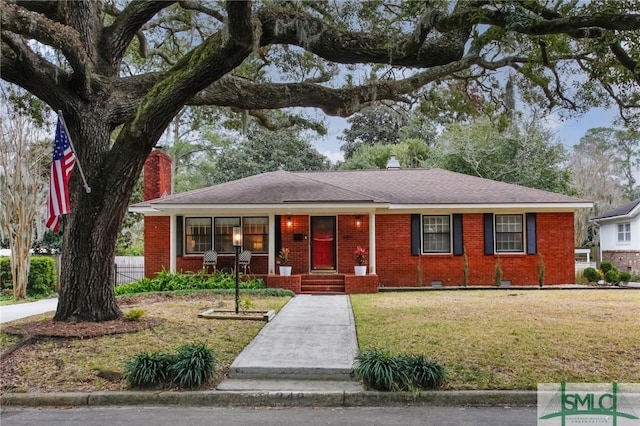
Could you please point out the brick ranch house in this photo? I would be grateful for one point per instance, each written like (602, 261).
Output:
(620, 236)
(416, 225)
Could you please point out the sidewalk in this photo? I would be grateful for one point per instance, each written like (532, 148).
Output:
(311, 342)
(24, 310)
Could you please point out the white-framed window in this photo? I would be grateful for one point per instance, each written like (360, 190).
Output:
(255, 234)
(624, 232)
(509, 232)
(197, 235)
(223, 233)
(436, 234)
(216, 233)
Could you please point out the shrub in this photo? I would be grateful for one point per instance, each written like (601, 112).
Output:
(592, 275)
(42, 275)
(193, 366)
(166, 281)
(624, 276)
(497, 275)
(611, 276)
(606, 266)
(147, 370)
(381, 370)
(540, 269)
(134, 314)
(423, 373)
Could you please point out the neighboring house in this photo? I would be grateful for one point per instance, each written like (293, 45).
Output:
(620, 236)
(416, 225)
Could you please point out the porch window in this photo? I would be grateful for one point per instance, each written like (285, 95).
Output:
(224, 233)
(624, 232)
(197, 234)
(509, 233)
(256, 234)
(436, 234)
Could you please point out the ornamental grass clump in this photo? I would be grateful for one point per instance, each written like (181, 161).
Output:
(380, 370)
(148, 370)
(423, 373)
(384, 371)
(193, 365)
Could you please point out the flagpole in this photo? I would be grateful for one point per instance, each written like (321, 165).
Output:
(86, 186)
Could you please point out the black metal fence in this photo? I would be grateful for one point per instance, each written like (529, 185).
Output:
(128, 273)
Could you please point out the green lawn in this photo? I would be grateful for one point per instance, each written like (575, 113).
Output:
(509, 339)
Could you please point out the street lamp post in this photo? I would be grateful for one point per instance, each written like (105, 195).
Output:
(237, 243)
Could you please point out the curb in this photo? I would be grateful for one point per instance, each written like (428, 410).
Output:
(275, 399)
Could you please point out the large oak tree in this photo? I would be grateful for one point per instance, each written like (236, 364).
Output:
(124, 67)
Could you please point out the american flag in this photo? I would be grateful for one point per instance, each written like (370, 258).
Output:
(63, 161)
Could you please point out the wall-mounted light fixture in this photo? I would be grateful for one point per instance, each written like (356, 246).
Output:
(358, 221)
(289, 222)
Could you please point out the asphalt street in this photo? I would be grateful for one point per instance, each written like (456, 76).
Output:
(199, 416)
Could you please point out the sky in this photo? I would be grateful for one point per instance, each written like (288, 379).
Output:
(568, 132)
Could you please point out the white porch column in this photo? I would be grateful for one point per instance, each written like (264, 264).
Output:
(271, 269)
(172, 243)
(372, 243)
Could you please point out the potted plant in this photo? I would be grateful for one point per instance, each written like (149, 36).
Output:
(283, 259)
(361, 261)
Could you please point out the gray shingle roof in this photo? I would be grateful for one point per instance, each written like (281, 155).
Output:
(405, 186)
(622, 210)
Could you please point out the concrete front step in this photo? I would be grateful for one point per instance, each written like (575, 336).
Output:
(328, 386)
(291, 373)
(322, 288)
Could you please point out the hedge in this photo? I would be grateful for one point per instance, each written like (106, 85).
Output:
(42, 275)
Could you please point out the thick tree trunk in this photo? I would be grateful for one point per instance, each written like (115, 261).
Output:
(91, 229)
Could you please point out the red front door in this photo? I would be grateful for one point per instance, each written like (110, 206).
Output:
(323, 243)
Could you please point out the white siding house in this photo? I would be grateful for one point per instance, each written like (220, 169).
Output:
(620, 236)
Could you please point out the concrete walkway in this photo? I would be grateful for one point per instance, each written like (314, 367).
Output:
(311, 338)
(24, 310)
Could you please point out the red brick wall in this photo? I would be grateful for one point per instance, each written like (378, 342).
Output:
(292, 283)
(258, 263)
(299, 250)
(156, 244)
(157, 175)
(397, 267)
(350, 236)
(360, 284)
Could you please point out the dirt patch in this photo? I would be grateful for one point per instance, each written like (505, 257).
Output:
(82, 330)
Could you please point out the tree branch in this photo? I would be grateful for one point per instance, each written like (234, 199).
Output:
(200, 7)
(146, 52)
(25, 68)
(118, 35)
(62, 37)
(336, 45)
(243, 94)
(284, 122)
(627, 61)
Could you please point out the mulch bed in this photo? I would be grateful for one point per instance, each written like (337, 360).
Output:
(82, 330)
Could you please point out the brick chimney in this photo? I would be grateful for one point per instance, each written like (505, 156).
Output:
(157, 175)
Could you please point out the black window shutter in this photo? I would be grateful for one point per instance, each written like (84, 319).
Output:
(179, 236)
(278, 234)
(488, 234)
(532, 243)
(415, 234)
(458, 248)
